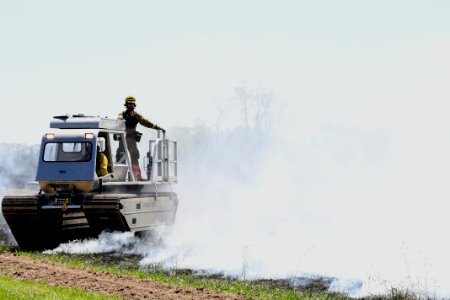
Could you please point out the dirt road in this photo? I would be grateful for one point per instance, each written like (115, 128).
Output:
(20, 267)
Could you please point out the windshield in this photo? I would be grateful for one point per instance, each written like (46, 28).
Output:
(80, 151)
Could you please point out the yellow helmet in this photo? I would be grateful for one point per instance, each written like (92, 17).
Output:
(130, 99)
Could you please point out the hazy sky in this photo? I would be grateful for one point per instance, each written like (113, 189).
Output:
(370, 62)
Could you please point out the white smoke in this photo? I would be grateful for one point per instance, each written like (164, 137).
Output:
(364, 202)
(363, 206)
(344, 204)
(114, 242)
(106, 242)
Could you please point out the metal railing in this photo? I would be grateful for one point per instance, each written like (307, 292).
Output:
(163, 165)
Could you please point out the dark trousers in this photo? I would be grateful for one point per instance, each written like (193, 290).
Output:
(132, 148)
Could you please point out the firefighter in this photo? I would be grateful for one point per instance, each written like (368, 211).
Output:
(132, 118)
(102, 160)
(102, 163)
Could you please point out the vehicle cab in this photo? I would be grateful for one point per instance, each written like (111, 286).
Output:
(68, 153)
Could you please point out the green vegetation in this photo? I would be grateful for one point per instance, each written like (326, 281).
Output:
(127, 265)
(26, 290)
(182, 277)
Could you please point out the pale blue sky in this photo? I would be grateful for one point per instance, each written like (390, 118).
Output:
(330, 61)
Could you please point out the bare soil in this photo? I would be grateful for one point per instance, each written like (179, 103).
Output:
(20, 267)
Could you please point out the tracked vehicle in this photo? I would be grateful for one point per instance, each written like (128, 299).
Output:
(73, 202)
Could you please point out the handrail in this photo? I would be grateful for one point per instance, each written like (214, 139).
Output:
(164, 160)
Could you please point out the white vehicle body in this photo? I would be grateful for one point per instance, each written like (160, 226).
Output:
(73, 202)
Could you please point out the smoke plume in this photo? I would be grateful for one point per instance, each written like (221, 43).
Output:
(363, 202)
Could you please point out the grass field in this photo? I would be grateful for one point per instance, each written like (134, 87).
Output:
(12, 289)
(184, 277)
(114, 264)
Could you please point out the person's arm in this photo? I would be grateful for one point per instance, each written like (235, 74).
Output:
(144, 122)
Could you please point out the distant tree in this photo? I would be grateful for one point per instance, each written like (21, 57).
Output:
(256, 106)
(245, 99)
(238, 142)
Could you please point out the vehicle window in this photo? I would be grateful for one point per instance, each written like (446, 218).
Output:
(71, 147)
(63, 152)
